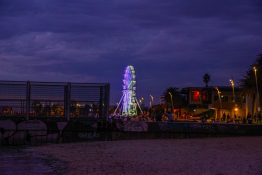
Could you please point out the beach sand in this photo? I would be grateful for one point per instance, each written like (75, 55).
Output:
(214, 156)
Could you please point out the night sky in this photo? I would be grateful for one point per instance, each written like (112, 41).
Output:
(169, 42)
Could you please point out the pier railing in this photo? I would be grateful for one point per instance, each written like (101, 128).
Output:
(53, 99)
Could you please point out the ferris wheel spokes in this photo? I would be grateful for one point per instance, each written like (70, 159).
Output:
(128, 103)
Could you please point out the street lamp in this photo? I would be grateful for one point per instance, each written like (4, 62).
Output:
(233, 88)
(258, 102)
(151, 102)
(171, 97)
(141, 100)
(220, 103)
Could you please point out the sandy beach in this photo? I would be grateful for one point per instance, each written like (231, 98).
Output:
(217, 156)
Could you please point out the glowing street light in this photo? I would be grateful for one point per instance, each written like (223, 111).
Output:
(258, 104)
(151, 102)
(219, 97)
(233, 88)
(171, 97)
(141, 100)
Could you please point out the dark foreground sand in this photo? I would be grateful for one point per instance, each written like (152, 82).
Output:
(217, 156)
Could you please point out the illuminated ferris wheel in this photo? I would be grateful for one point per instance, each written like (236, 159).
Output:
(128, 101)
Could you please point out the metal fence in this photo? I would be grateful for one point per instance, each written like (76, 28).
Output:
(54, 99)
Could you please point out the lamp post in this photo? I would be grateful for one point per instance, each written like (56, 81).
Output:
(220, 102)
(258, 101)
(151, 102)
(141, 101)
(233, 88)
(233, 91)
(171, 97)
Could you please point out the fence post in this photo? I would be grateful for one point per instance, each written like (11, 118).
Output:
(28, 99)
(101, 102)
(106, 99)
(67, 100)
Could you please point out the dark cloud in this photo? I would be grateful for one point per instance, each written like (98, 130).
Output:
(170, 43)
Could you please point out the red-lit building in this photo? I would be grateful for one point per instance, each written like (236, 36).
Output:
(224, 100)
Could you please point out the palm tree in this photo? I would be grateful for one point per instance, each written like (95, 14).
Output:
(248, 83)
(206, 79)
(177, 101)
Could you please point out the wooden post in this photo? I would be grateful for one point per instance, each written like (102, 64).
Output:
(28, 99)
(67, 100)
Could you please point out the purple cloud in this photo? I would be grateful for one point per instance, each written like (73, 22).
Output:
(170, 43)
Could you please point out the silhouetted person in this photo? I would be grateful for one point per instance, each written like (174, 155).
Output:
(259, 118)
(224, 117)
(255, 117)
(244, 120)
(227, 118)
(249, 118)
(235, 118)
